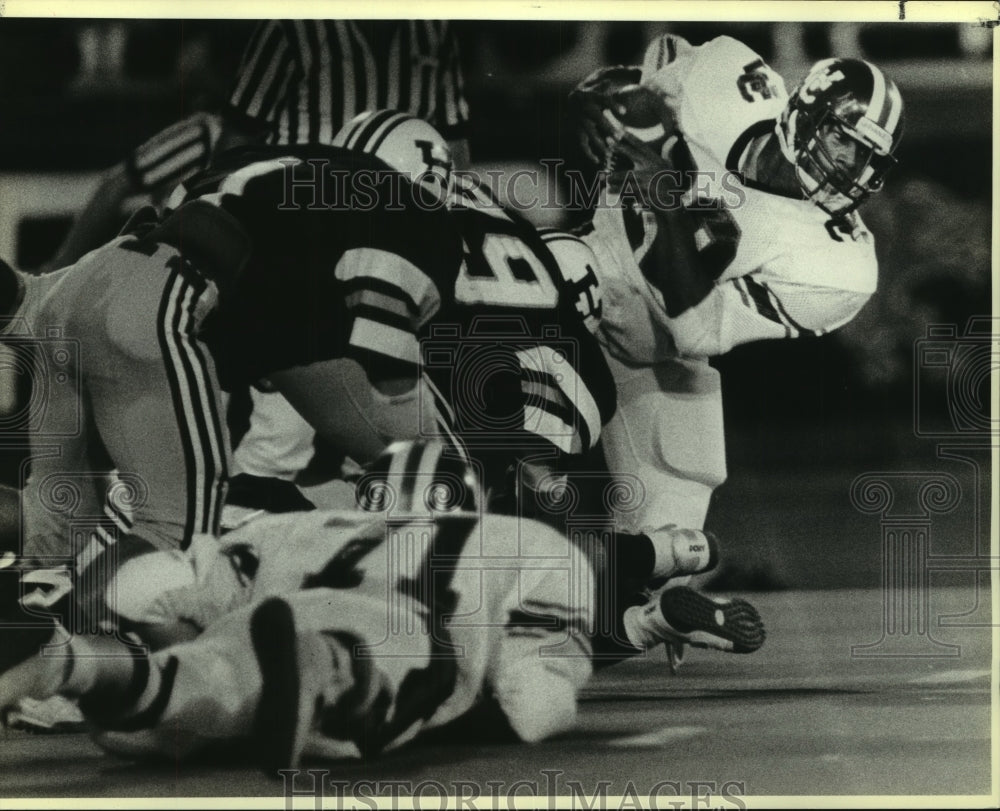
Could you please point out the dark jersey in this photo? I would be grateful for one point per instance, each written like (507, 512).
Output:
(343, 261)
(511, 356)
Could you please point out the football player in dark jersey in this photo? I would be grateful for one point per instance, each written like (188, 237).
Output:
(511, 368)
(315, 267)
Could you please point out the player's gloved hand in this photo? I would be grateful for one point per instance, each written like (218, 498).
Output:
(589, 100)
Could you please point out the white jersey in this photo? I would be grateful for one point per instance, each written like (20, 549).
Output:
(448, 610)
(791, 270)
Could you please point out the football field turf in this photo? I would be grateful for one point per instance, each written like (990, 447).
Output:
(812, 713)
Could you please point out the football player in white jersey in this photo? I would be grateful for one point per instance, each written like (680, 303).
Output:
(334, 633)
(740, 225)
(338, 633)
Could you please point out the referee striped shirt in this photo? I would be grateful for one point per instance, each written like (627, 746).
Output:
(309, 77)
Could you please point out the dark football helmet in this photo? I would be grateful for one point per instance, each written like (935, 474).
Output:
(840, 129)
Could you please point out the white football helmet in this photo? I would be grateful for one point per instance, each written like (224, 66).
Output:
(578, 267)
(408, 144)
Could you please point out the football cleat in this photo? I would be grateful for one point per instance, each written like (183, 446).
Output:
(682, 614)
(30, 680)
(24, 672)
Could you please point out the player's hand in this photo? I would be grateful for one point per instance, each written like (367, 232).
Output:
(589, 100)
(650, 176)
(643, 158)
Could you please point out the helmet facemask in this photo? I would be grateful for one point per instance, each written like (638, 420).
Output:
(837, 167)
(828, 132)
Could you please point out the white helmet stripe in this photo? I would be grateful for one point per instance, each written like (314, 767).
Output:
(895, 109)
(372, 143)
(361, 128)
(372, 127)
(874, 111)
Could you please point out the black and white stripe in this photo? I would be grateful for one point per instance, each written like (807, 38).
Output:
(558, 405)
(761, 298)
(309, 77)
(368, 133)
(192, 389)
(176, 153)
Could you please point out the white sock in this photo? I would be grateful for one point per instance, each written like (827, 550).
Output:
(678, 550)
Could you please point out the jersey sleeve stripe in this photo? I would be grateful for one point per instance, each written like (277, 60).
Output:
(179, 168)
(786, 319)
(172, 140)
(381, 315)
(379, 337)
(371, 300)
(545, 360)
(541, 390)
(395, 272)
(762, 303)
(741, 288)
(549, 426)
(554, 404)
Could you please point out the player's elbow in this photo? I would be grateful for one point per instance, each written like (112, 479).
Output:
(695, 342)
(539, 713)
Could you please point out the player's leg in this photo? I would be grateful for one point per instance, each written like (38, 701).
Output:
(154, 392)
(172, 703)
(668, 432)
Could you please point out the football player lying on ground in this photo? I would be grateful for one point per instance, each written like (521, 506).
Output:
(334, 633)
(738, 224)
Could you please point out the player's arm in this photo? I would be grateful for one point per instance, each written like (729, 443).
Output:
(166, 159)
(691, 248)
(336, 398)
(99, 220)
(743, 310)
(376, 386)
(544, 656)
